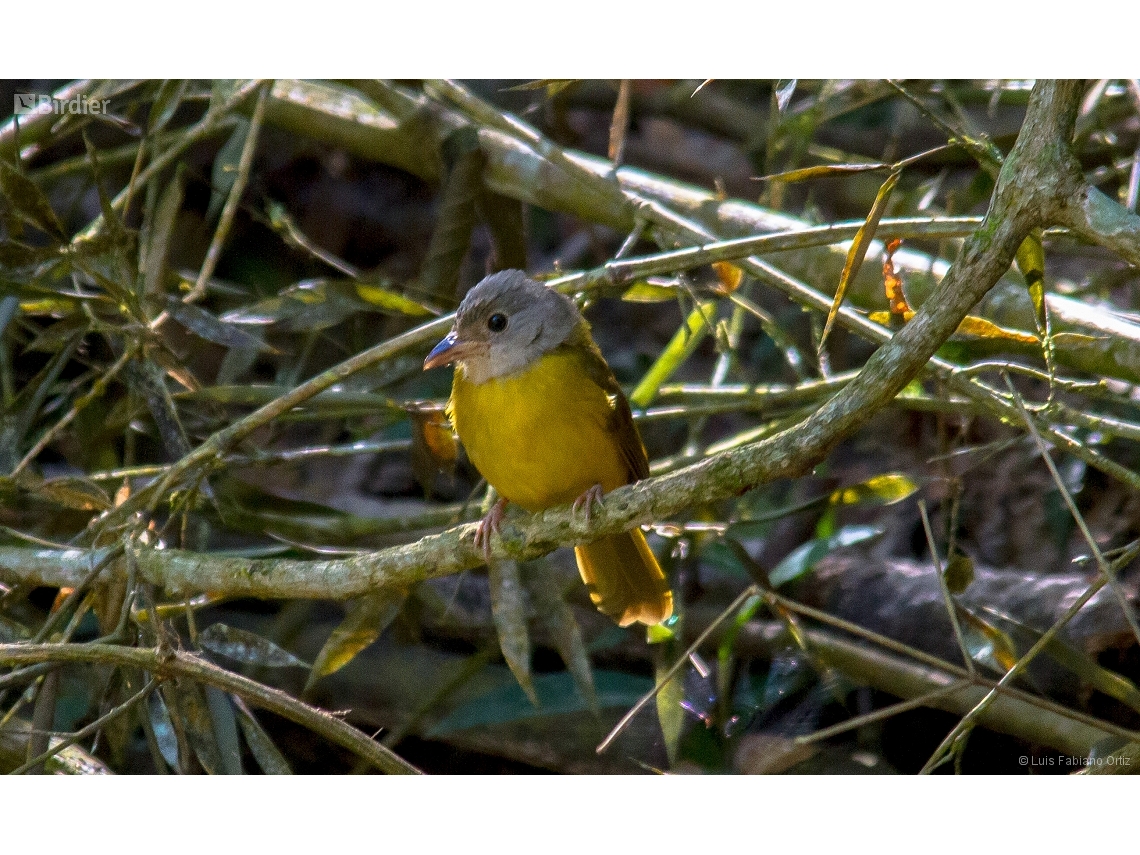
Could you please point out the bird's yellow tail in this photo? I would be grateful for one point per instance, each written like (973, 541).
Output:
(624, 579)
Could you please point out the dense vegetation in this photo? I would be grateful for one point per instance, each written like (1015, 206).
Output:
(877, 337)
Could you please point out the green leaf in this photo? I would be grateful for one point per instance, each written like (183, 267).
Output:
(457, 214)
(366, 618)
(247, 647)
(159, 235)
(166, 103)
(194, 712)
(504, 218)
(650, 291)
(858, 251)
(724, 651)
(1080, 663)
(804, 557)
(685, 341)
(551, 86)
(509, 610)
(207, 326)
(77, 493)
(670, 698)
(959, 573)
(225, 171)
(265, 752)
(557, 618)
(387, 300)
(225, 730)
(557, 694)
(163, 727)
(317, 304)
(1031, 262)
(29, 202)
(883, 489)
(1103, 680)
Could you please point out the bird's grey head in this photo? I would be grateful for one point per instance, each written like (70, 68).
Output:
(505, 323)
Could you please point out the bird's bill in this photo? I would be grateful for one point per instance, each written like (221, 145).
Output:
(451, 349)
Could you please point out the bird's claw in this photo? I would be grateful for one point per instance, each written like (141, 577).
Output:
(489, 525)
(587, 500)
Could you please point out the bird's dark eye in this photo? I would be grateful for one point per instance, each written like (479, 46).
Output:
(497, 322)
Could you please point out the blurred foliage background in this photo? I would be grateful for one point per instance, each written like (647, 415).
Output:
(173, 270)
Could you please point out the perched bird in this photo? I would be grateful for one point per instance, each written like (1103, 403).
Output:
(545, 422)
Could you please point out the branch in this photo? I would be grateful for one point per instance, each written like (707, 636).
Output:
(168, 663)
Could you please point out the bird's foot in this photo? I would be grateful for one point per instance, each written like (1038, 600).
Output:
(587, 500)
(489, 525)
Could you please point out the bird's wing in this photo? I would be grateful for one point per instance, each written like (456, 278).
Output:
(621, 419)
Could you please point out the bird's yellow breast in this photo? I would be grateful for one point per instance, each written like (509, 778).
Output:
(541, 437)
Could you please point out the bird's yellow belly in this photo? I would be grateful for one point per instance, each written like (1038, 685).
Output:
(541, 437)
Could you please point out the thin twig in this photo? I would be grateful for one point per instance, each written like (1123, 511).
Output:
(885, 712)
(1101, 564)
(180, 664)
(946, 598)
(232, 200)
(96, 725)
(750, 591)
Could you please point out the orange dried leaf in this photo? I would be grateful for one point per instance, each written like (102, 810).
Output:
(892, 282)
(823, 170)
(434, 446)
(729, 275)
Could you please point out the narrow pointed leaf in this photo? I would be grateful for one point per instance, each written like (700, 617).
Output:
(159, 235)
(670, 699)
(804, 557)
(986, 642)
(457, 215)
(783, 94)
(249, 648)
(29, 202)
(651, 290)
(265, 752)
(225, 730)
(551, 86)
(509, 610)
(824, 170)
(883, 489)
(166, 103)
(77, 493)
(194, 712)
(207, 326)
(557, 694)
(981, 328)
(317, 304)
(367, 617)
(858, 250)
(225, 171)
(1031, 262)
(389, 301)
(163, 727)
(684, 342)
(558, 619)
